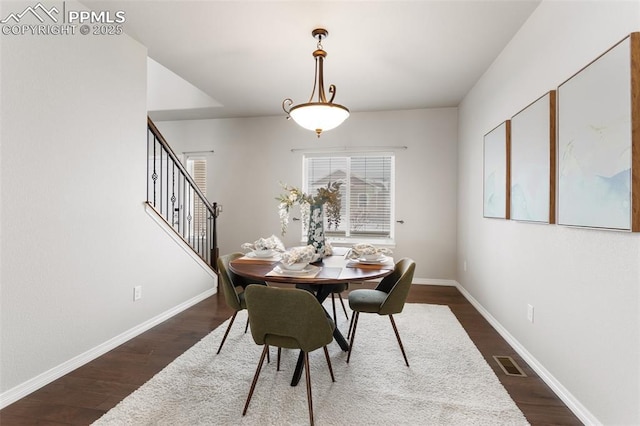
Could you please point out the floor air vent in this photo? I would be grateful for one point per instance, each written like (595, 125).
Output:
(509, 366)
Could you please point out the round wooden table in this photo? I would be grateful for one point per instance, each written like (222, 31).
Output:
(333, 270)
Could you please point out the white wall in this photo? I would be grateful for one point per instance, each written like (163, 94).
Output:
(583, 284)
(166, 90)
(253, 155)
(75, 235)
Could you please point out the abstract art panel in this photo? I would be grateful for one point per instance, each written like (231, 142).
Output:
(595, 142)
(496, 174)
(533, 161)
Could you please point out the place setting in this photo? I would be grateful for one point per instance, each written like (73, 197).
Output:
(363, 255)
(296, 262)
(262, 250)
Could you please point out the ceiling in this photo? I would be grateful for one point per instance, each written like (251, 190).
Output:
(381, 55)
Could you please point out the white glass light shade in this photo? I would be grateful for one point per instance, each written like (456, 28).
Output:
(318, 116)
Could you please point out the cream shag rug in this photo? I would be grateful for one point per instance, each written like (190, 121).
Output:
(448, 382)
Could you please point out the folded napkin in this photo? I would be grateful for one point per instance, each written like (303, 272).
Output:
(360, 249)
(271, 243)
(299, 254)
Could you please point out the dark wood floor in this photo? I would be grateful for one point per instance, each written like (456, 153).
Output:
(85, 394)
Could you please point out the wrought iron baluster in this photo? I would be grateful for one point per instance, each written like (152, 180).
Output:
(173, 195)
(177, 198)
(184, 206)
(197, 233)
(166, 190)
(155, 175)
(189, 217)
(148, 131)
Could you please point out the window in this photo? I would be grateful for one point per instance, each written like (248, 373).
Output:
(367, 192)
(197, 168)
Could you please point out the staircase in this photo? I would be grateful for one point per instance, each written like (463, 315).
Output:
(174, 196)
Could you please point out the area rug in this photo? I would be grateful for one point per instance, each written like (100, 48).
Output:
(448, 382)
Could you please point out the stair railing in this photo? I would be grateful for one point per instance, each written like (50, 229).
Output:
(175, 196)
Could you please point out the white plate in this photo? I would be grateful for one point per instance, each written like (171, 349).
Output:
(273, 254)
(382, 259)
(306, 270)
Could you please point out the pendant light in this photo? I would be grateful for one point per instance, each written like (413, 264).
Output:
(317, 116)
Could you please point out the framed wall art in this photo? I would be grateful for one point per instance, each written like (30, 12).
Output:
(496, 172)
(598, 141)
(533, 151)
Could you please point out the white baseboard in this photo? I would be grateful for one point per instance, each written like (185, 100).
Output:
(434, 281)
(24, 389)
(571, 402)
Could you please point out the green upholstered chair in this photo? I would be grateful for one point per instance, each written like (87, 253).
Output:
(387, 298)
(229, 283)
(288, 318)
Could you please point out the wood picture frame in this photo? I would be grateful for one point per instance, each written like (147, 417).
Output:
(496, 172)
(533, 161)
(598, 154)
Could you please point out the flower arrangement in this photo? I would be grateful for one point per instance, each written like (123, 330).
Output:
(328, 196)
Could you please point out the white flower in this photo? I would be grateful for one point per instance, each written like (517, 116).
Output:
(293, 196)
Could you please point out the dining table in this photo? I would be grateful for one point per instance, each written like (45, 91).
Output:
(320, 278)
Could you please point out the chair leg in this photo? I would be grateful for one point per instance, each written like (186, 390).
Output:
(255, 379)
(308, 377)
(333, 303)
(393, 323)
(246, 326)
(355, 317)
(326, 355)
(343, 307)
(279, 352)
(227, 332)
(268, 357)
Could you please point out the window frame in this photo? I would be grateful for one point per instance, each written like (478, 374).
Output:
(347, 237)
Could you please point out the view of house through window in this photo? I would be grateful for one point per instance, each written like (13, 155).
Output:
(367, 191)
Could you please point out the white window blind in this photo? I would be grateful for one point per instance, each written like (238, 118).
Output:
(197, 168)
(367, 191)
(200, 173)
